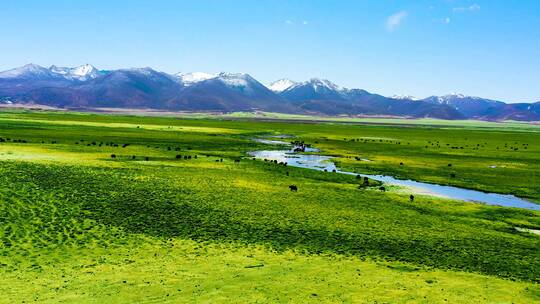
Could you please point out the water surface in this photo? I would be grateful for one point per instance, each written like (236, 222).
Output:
(321, 163)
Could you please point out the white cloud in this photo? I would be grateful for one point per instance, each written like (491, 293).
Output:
(296, 22)
(472, 8)
(393, 21)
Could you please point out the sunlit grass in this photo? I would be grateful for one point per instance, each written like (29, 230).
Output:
(77, 222)
(186, 272)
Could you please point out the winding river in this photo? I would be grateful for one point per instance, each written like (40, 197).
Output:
(322, 162)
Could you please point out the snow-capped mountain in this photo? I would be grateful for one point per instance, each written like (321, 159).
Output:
(319, 85)
(129, 88)
(448, 98)
(404, 97)
(34, 71)
(232, 92)
(82, 73)
(470, 106)
(191, 78)
(281, 85)
(240, 81)
(87, 87)
(28, 71)
(313, 89)
(237, 80)
(323, 96)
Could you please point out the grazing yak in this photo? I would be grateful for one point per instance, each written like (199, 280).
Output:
(293, 188)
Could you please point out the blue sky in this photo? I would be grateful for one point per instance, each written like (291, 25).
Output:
(420, 48)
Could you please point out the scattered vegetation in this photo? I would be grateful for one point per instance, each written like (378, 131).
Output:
(114, 205)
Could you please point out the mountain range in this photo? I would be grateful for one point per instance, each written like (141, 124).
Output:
(86, 87)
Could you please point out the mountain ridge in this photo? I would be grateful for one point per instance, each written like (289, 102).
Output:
(88, 87)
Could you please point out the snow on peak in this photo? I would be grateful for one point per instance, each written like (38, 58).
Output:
(83, 72)
(59, 70)
(404, 97)
(232, 75)
(192, 78)
(448, 97)
(26, 71)
(31, 67)
(281, 85)
(318, 84)
(454, 95)
(229, 79)
(147, 71)
(235, 79)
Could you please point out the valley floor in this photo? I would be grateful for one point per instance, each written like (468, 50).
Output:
(109, 208)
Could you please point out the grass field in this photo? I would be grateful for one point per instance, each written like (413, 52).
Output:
(77, 225)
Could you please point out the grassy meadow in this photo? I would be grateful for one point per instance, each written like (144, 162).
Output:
(121, 209)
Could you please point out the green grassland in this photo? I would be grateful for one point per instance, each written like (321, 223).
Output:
(515, 125)
(77, 225)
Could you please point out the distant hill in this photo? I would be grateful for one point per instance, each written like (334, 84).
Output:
(87, 87)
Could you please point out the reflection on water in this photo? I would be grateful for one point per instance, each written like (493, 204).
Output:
(320, 162)
(279, 142)
(271, 142)
(309, 161)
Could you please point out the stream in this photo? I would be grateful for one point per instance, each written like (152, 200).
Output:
(322, 162)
